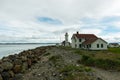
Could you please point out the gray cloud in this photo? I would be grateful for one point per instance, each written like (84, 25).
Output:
(19, 17)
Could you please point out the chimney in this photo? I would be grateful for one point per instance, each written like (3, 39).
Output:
(77, 32)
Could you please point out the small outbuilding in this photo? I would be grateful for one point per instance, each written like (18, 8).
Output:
(113, 45)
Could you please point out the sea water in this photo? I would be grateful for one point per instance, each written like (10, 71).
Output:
(8, 49)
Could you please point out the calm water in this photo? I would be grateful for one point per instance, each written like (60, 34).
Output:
(6, 50)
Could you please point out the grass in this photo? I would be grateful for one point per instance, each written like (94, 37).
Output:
(114, 50)
(47, 54)
(102, 59)
(73, 72)
(107, 64)
(55, 58)
(109, 59)
(105, 59)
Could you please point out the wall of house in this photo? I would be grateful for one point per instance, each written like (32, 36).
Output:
(77, 42)
(73, 42)
(99, 41)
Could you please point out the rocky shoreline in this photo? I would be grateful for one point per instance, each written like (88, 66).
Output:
(13, 67)
(49, 63)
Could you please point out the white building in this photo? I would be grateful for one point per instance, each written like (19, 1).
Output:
(66, 42)
(113, 45)
(88, 41)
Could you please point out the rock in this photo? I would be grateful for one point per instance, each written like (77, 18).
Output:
(1, 77)
(6, 65)
(1, 69)
(12, 57)
(99, 78)
(5, 75)
(24, 58)
(6, 59)
(17, 68)
(11, 73)
(24, 66)
(18, 77)
(29, 63)
(18, 62)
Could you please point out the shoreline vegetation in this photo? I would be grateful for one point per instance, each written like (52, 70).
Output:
(59, 63)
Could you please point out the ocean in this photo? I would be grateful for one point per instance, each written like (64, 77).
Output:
(8, 49)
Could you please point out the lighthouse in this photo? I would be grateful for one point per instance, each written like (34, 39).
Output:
(66, 37)
(66, 42)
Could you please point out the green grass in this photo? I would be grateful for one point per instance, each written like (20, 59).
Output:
(73, 72)
(69, 68)
(105, 59)
(109, 59)
(114, 50)
(55, 58)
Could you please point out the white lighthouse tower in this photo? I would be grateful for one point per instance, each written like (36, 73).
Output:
(66, 37)
(66, 42)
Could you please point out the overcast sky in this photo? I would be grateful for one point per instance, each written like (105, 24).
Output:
(49, 20)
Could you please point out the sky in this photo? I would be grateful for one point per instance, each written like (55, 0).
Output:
(41, 21)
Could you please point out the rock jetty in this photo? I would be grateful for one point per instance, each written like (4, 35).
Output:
(14, 66)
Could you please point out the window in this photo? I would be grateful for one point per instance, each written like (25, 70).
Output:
(97, 45)
(75, 45)
(101, 45)
(89, 45)
(80, 45)
(80, 40)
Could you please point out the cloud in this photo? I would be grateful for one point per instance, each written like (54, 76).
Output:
(29, 21)
(49, 20)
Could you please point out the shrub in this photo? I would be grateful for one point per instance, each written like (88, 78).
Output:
(101, 63)
(46, 54)
(55, 58)
(107, 64)
(87, 60)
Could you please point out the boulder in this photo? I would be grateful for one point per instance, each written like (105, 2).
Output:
(6, 59)
(24, 66)
(12, 57)
(1, 69)
(18, 77)
(6, 65)
(11, 74)
(23, 58)
(1, 77)
(17, 68)
(5, 75)
(29, 61)
(18, 62)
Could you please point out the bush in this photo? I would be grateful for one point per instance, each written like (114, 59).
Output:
(55, 58)
(107, 64)
(46, 54)
(87, 60)
(101, 63)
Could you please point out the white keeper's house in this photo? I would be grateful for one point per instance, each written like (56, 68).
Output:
(88, 41)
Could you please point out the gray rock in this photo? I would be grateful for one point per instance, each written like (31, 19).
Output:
(18, 77)
(24, 67)
(17, 68)
(99, 78)
(1, 77)
(24, 58)
(18, 62)
(1, 69)
(6, 65)
(5, 75)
